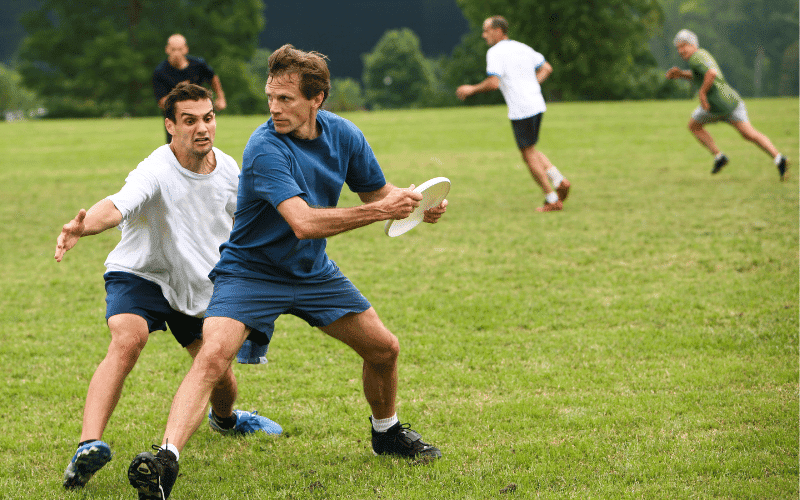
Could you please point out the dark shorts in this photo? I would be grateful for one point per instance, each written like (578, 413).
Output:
(526, 131)
(127, 293)
(257, 302)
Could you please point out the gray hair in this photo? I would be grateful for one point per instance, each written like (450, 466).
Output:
(685, 36)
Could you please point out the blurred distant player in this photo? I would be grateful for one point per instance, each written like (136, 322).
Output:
(518, 71)
(718, 102)
(174, 210)
(180, 67)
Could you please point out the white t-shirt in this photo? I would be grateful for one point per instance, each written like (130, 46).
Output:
(515, 64)
(173, 222)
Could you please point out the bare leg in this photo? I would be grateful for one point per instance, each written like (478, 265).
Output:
(379, 348)
(129, 334)
(222, 338)
(538, 164)
(703, 136)
(224, 394)
(751, 134)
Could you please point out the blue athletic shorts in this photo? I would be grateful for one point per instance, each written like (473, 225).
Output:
(128, 293)
(257, 302)
(526, 130)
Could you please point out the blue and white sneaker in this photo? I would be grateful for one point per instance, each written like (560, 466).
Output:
(246, 423)
(89, 459)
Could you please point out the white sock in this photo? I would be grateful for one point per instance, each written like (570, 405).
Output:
(720, 155)
(384, 424)
(172, 448)
(551, 197)
(778, 159)
(555, 176)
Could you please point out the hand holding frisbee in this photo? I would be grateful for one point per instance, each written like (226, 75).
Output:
(433, 193)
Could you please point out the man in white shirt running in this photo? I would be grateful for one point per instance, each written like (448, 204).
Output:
(518, 71)
(174, 210)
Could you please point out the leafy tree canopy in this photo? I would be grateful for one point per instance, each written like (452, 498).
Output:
(396, 73)
(96, 57)
(598, 48)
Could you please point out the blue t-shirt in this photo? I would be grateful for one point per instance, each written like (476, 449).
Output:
(276, 167)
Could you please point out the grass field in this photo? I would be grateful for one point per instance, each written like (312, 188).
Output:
(643, 343)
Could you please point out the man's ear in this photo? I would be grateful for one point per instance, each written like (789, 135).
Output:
(318, 100)
(170, 126)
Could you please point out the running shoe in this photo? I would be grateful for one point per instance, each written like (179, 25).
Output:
(719, 163)
(551, 207)
(90, 458)
(246, 423)
(402, 441)
(563, 190)
(153, 476)
(783, 166)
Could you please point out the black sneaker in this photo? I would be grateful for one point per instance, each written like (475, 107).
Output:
(719, 163)
(153, 476)
(783, 166)
(400, 440)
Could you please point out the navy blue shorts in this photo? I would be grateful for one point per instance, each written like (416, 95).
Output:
(128, 293)
(257, 302)
(526, 131)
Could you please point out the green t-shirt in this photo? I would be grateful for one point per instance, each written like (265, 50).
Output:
(722, 98)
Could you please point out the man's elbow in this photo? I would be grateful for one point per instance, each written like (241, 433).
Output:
(303, 230)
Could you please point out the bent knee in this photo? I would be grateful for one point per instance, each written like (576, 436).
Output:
(126, 349)
(387, 352)
(213, 359)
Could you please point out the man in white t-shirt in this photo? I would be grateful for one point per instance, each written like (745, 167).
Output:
(518, 71)
(174, 211)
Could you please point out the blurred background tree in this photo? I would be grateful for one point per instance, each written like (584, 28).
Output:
(96, 57)
(396, 73)
(598, 48)
(16, 102)
(346, 95)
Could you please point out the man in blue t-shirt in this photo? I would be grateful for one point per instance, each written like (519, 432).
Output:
(293, 171)
(180, 67)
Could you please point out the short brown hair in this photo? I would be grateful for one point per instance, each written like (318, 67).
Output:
(315, 78)
(184, 92)
(499, 22)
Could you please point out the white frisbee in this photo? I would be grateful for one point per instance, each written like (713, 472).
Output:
(433, 192)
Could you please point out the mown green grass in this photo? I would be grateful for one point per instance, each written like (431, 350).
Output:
(643, 343)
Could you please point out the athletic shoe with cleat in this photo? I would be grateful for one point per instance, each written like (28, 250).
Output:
(90, 458)
(783, 166)
(563, 190)
(246, 423)
(719, 163)
(401, 441)
(153, 476)
(551, 207)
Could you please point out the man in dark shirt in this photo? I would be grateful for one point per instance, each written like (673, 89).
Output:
(180, 67)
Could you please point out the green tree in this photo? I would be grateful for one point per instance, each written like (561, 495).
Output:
(467, 64)
(96, 57)
(598, 48)
(396, 73)
(345, 95)
(256, 74)
(14, 98)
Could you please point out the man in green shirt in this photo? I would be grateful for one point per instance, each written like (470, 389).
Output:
(718, 102)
